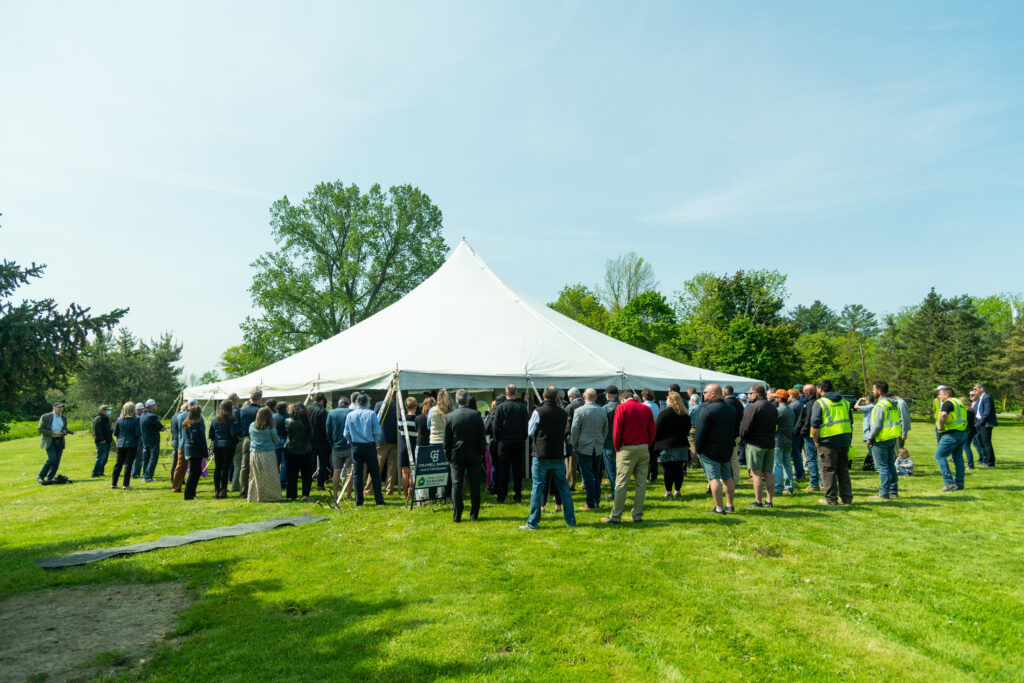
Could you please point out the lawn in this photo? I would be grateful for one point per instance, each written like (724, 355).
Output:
(926, 588)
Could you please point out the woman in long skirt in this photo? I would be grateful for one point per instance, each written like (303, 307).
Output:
(264, 480)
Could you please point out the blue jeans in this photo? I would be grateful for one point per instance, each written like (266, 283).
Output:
(884, 454)
(150, 456)
(540, 470)
(53, 453)
(783, 470)
(797, 458)
(609, 467)
(951, 444)
(102, 453)
(969, 453)
(590, 469)
(811, 461)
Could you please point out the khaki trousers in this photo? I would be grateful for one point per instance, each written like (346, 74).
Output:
(237, 465)
(387, 461)
(570, 470)
(178, 475)
(243, 470)
(635, 461)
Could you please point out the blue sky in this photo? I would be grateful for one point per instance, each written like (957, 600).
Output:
(869, 151)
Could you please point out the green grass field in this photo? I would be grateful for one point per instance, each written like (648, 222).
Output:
(927, 588)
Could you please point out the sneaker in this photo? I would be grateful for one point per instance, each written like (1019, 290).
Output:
(947, 488)
(755, 504)
(717, 511)
(40, 480)
(822, 501)
(768, 505)
(959, 488)
(879, 497)
(115, 487)
(609, 520)
(127, 488)
(730, 508)
(667, 494)
(148, 481)
(528, 527)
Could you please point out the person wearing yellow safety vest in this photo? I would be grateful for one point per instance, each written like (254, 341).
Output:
(951, 426)
(832, 432)
(886, 427)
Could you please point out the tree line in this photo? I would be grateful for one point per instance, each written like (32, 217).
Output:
(738, 323)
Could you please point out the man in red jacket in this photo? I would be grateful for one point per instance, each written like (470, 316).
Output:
(632, 435)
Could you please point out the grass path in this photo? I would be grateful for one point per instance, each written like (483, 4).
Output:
(926, 588)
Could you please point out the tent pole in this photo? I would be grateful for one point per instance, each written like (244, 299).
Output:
(408, 442)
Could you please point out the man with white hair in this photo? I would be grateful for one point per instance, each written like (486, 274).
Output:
(575, 402)
(587, 434)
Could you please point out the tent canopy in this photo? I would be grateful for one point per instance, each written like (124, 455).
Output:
(466, 327)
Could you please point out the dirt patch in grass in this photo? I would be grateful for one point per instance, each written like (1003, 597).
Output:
(85, 631)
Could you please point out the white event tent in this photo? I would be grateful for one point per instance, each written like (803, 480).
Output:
(464, 327)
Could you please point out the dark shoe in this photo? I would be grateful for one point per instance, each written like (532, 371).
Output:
(473, 518)
(730, 508)
(959, 488)
(768, 505)
(717, 511)
(947, 488)
(456, 520)
(823, 501)
(755, 504)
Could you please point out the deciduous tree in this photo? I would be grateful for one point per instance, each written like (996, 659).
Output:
(342, 256)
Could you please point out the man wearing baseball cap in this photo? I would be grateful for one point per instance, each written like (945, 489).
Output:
(53, 427)
(151, 428)
(140, 410)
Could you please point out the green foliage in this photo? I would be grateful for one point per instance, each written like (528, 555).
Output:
(1008, 367)
(121, 368)
(819, 355)
(582, 305)
(239, 360)
(40, 345)
(342, 256)
(647, 322)
(815, 318)
(722, 317)
(939, 341)
(858, 320)
(760, 351)
(626, 278)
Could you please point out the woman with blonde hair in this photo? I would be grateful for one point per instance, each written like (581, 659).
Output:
(436, 421)
(435, 418)
(264, 479)
(193, 433)
(672, 427)
(128, 431)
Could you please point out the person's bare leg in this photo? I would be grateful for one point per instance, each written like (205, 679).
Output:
(730, 488)
(716, 492)
(769, 489)
(756, 478)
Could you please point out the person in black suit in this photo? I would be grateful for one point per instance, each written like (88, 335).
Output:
(984, 420)
(464, 444)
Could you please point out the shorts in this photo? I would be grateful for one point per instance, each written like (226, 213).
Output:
(714, 469)
(339, 458)
(760, 459)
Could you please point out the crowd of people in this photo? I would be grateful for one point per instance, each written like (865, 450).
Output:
(266, 451)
